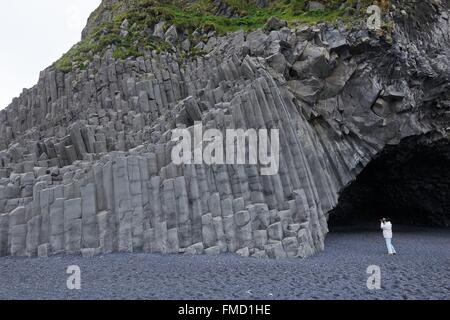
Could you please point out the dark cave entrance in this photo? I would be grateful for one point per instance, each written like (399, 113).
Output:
(408, 182)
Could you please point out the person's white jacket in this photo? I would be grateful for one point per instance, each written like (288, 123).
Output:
(387, 230)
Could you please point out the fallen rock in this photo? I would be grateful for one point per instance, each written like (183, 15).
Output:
(159, 30)
(275, 24)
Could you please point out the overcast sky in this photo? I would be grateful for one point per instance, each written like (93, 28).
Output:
(33, 35)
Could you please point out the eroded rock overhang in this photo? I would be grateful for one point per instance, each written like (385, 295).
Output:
(86, 165)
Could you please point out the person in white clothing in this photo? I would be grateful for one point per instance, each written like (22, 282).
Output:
(386, 226)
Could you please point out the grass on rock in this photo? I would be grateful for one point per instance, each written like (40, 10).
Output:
(189, 16)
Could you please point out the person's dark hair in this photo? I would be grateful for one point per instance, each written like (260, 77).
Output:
(387, 219)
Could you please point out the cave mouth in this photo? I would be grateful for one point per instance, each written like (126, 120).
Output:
(408, 182)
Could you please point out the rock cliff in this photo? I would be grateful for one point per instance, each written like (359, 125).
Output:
(86, 162)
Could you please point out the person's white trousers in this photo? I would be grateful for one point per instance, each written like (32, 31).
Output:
(389, 246)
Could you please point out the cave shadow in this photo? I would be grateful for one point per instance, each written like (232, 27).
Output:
(408, 182)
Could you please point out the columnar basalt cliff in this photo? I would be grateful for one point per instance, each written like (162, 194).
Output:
(86, 162)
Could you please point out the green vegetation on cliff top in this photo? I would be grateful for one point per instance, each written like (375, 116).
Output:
(188, 16)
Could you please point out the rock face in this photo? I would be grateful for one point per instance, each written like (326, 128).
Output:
(86, 163)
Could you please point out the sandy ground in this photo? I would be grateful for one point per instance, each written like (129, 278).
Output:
(421, 270)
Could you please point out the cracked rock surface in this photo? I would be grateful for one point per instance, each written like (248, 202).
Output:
(85, 166)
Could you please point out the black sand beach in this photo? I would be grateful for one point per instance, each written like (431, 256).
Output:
(421, 270)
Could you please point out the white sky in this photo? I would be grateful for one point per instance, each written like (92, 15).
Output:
(33, 35)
